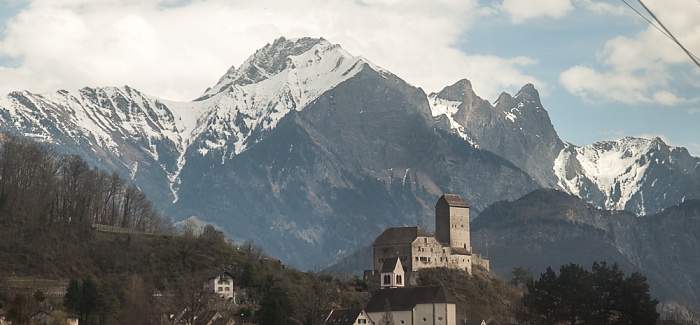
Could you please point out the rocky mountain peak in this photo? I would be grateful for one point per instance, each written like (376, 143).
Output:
(268, 61)
(459, 91)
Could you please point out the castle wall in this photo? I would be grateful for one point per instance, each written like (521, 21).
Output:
(452, 225)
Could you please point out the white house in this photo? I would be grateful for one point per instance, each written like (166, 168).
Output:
(425, 305)
(220, 283)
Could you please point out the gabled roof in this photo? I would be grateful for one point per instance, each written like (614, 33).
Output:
(402, 299)
(343, 316)
(215, 274)
(453, 200)
(401, 235)
(389, 265)
(207, 318)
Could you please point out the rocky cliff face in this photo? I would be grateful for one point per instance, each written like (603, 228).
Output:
(516, 128)
(551, 228)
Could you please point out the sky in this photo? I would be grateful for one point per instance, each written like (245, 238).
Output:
(602, 70)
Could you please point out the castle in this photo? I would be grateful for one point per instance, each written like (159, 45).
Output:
(413, 248)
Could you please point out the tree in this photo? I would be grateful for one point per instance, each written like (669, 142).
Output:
(541, 300)
(91, 298)
(275, 307)
(522, 277)
(635, 303)
(577, 296)
(316, 298)
(388, 316)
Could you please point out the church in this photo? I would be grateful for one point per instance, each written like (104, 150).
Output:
(416, 248)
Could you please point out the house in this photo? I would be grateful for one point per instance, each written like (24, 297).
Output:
(221, 283)
(347, 317)
(424, 305)
(212, 318)
(45, 318)
(416, 248)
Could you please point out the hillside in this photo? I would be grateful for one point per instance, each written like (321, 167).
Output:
(548, 227)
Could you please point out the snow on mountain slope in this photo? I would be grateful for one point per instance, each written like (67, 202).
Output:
(281, 77)
(448, 108)
(633, 174)
(230, 117)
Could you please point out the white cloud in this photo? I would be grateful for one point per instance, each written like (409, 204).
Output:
(601, 7)
(176, 50)
(592, 85)
(637, 69)
(523, 10)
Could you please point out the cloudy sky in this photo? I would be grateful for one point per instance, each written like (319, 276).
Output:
(602, 70)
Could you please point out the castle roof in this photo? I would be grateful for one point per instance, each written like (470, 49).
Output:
(453, 200)
(406, 298)
(401, 235)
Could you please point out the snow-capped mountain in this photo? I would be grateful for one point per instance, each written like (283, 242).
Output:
(305, 149)
(638, 175)
(634, 174)
(311, 151)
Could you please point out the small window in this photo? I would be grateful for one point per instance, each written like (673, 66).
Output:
(398, 279)
(387, 279)
(220, 289)
(425, 319)
(227, 289)
(440, 318)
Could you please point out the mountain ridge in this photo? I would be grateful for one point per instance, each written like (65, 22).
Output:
(376, 150)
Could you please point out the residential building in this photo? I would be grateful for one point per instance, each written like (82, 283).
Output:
(221, 283)
(424, 305)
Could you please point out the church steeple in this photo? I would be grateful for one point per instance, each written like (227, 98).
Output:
(392, 274)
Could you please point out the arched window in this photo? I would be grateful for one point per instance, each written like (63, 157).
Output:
(387, 279)
(398, 279)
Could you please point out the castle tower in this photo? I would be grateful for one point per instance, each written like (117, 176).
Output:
(452, 221)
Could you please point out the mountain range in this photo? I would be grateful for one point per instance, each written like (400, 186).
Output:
(311, 152)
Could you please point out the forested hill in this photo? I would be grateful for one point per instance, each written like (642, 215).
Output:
(40, 192)
(62, 222)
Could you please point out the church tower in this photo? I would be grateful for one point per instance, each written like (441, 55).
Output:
(452, 221)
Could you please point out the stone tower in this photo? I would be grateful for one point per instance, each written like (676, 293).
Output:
(452, 221)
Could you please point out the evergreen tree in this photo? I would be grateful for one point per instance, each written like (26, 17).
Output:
(90, 298)
(577, 296)
(275, 307)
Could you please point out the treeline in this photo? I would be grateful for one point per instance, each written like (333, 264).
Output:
(40, 189)
(600, 296)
